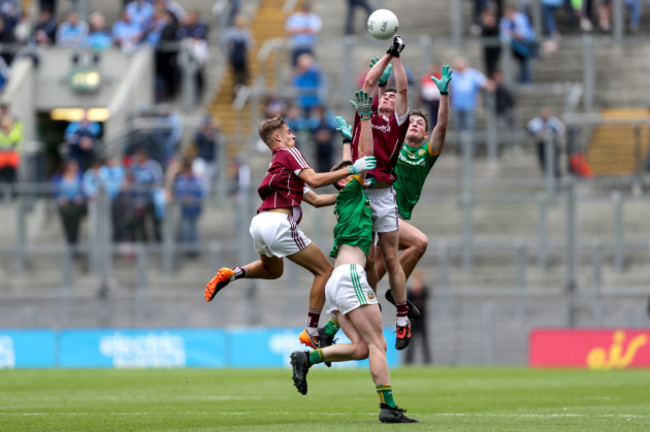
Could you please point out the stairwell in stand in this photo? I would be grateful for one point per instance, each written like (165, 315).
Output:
(619, 149)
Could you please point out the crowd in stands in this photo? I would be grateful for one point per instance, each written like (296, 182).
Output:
(154, 173)
(162, 24)
(156, 170)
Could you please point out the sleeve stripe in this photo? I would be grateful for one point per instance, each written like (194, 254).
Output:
(299, 157)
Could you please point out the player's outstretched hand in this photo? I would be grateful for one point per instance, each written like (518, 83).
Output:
(363, 164)
(383, 79)
(443, 82)
(396, 47)
(344, 129)
(363, 105)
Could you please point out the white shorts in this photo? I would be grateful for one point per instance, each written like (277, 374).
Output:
(383, 209)
(347, 289)
(277, 235)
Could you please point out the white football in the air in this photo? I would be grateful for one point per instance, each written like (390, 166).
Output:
(382, 24)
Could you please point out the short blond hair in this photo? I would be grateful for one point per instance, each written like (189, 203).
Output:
(268, 127)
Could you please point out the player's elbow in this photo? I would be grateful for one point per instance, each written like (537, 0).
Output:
(313, 181)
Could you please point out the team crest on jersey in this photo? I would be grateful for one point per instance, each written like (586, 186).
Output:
(384, 128)
(370, 294)
(420, 152)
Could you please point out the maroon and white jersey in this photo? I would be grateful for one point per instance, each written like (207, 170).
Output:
(388, 134)
(281, 187)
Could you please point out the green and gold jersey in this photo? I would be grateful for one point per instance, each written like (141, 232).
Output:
(412, 168)
(354, 222)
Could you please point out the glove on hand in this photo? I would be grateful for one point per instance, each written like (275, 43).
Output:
(363, 104)
(443, 82)
(383, 79)
(369, 182)
(344, 129)
(363, 164)
(396, 47)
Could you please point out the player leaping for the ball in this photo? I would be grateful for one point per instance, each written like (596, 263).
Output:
(349, 297)
(389, 126)
(275, 229)
(417, 157)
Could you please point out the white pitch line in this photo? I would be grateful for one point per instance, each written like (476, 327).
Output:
(287, 413)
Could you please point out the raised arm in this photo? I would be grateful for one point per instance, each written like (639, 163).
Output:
(438, 133)
(345, 130)
(401, 80)
(363, 106)
(383, 79)
(375, 73)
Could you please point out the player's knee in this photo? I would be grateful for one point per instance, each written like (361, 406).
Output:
(421, 244)
(391, 261)
(273, 273)
(361, 352)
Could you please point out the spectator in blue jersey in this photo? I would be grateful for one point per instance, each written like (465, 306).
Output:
(303, 27)
(72, 31)
(107, 174)
(467, 84)
(147, 182)
(98, 38)
(127, 35)
(67, 187)
(140, 13)
(189, 193)
(308, 83)
(515, 28)
(82, 139)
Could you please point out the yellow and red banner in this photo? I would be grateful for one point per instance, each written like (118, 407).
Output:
(598, 349)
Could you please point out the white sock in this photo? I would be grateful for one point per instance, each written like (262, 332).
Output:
(402, 321)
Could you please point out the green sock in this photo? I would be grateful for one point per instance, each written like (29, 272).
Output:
(316, 356)
(385, 393)
(332, 327)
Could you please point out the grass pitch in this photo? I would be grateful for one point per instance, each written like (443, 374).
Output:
(444, 399)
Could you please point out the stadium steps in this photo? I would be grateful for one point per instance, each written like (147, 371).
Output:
(268, 22)
(616, 149)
